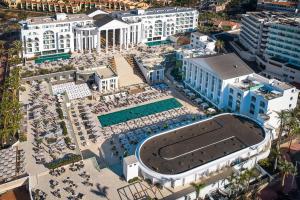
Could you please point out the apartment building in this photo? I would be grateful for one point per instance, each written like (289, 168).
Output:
(278, 5)
(102, 32)
(272, 40)
(229, 84)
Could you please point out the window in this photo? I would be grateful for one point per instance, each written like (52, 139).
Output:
(291, 98)
(237, 106)
(239, 95)
(290, 105)
(261, 111)
(253, 98)
(252, 108)
(230, 101)
(231, 91)
(262, 104)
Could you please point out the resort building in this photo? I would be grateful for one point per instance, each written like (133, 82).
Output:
(103, 32)
(199, 40)
(151, 66)
(229, 84)
(106, 80)
(159, 23)
(272, 40)
(73, 6)
(196, 151)
(200, 45)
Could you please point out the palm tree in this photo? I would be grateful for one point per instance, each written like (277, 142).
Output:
(17, 45)
(294, 131)
(282, 116)
(219, 45)
(286, 168)
(292, 125)
(198, 187)
(247, 176)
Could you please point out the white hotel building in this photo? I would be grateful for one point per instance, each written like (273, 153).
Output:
(218, 145)
(272, 40)
(101, 31)
(229, 84)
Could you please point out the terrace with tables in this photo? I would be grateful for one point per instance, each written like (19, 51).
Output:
(48, 129)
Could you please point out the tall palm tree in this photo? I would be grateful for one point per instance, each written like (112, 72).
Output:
(198, 187)
(294, 131)
(286, 168)
(282, 116)
(219, 45)
(18, 46)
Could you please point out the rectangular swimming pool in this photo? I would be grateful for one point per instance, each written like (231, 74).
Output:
(138, 112)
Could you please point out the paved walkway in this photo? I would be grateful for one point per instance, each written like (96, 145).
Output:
(125, 72)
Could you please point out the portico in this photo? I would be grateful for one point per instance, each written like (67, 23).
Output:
(112, 34)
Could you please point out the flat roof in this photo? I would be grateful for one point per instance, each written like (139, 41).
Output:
(227, 66)
(53, 19)
(189, 147)
(105, 72)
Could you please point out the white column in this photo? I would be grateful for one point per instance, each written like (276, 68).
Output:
(90, 41)
(114, 39)
(81, 41)
(106, 41)
(99, 41)
(133, 34)
(127, 37)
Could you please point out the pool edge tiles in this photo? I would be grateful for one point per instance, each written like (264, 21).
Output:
(138, 112)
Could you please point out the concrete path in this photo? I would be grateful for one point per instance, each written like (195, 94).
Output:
(125, 72)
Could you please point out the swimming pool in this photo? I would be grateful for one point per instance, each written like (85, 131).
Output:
(158, 43)
(138, 112)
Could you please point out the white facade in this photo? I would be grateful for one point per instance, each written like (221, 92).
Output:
(247, 93)
(130, 167)
(200, 45)
(273, 41)
(199, 40)
(151, 66)
(159, 23)
(102, 32)
(249, 156)
(50, 35)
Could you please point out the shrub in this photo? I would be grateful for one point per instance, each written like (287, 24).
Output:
(60, 113)
(23, 137)
(64, 128)
(51, 140)
(67, 140)
(135, 179)
(148, 181)
(67, 159)
(158, 185)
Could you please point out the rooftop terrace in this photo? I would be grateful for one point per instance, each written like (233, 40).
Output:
(150, 61)
(189, 147)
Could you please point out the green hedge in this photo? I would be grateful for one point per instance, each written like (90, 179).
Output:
(67, 159)
(60, 113)
(64, 128)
